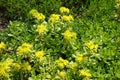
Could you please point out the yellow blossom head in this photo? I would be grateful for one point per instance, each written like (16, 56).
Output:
(85, 73)
(33, 12)
(67, 18)
(2, 45)
(71, 18)
(65, 62)
(5, 68)
(68, 35)
(37, 15)
(26, 45)
(92, 47)
(40, 16)
(40, 55)
(7, 63)
(61, 63)
(24, 48)
(41, 28)
(64, 10)
(62, 74)
(4, 73)
(54, 18)
(79, 57)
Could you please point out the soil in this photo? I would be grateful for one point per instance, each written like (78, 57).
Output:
(3, 20)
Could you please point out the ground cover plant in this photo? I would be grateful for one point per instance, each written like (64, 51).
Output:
(63, 47)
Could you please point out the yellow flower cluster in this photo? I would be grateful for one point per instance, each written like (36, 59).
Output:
(26, 66)
(40, 55)
(54, 18)
(61, 63)
(24, 48)
(79, 57)
(5, 68)
(67, 18)
(64, 10)
(62, 74)
(69, 35)
(37, 15)
(41, 28)
(33, 12)
(85, 73)
(2, 45)
(91, 46)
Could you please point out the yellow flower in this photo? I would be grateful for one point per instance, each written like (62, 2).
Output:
(2, 45)
(7, 63)
(3, 73)
(26, 66)
(69, 35)
(40, 55)
(26, 45)
(71, 18)
(85, 73)
(91, 46)
(65, 62)
(37, 15)
(5, 68)
(33, 12)
(40, 16)
(54, 18)
(41, 28)
(62, 74)
(61, 63)
(24, 48)
(67, 18)
(64, 10)
(79, 57)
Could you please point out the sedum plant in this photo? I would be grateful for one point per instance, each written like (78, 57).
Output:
(60, 49)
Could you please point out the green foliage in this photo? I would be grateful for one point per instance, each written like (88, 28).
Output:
(93, 54)
(101, 9)
(19, 9)
(104, 64)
